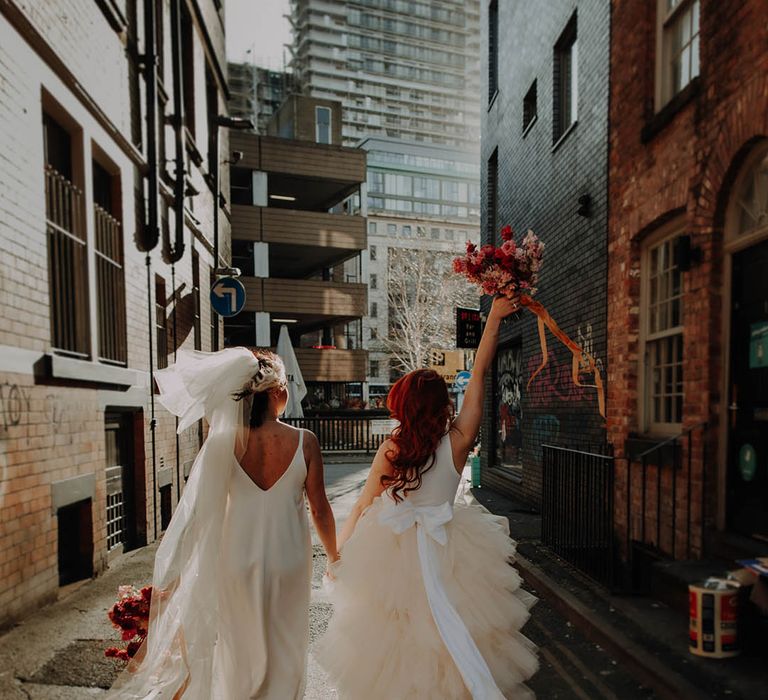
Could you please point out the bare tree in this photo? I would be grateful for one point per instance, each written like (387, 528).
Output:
(423, 292)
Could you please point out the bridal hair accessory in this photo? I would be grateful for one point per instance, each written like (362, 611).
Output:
(512, 270)
(270, 375)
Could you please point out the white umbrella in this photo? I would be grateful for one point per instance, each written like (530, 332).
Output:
(297, 390)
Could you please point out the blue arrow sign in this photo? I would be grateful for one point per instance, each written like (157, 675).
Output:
(462, 379)
(228, 296)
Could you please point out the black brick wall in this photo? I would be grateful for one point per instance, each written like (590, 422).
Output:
(539, 187)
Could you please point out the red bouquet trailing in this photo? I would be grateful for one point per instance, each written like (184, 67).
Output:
(130, 614)
(508, 270)
(512, 270)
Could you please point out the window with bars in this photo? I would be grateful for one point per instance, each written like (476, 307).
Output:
(161, 322)
(492, 188)
(372, 252)
(67, 244)
(373, 281)
(677, 47)
(662, 337)
(566, 91)
(110, 270)
(374, 309)
(493, 50)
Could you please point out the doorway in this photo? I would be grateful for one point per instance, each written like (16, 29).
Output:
(747, 464)
(120, 482)
(75, 542)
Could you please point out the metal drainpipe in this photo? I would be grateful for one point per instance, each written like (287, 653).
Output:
(216, 202)
(149, 235)
(176, 251)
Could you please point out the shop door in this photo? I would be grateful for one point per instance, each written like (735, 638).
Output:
(748, 400)
(121, 511)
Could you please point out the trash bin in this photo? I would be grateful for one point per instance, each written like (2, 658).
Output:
(474, 461)
(714, 614)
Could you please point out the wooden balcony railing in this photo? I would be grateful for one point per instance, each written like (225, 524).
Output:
(67, 264)
(332, 365)
(110, 287)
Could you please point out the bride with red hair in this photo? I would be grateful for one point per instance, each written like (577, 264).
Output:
(427, 605)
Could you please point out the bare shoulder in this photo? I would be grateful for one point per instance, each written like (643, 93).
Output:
(311, 444)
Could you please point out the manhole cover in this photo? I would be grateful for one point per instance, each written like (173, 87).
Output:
(81, 663)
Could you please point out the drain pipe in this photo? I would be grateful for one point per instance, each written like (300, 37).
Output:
(149, 233)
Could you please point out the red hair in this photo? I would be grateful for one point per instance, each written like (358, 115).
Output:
(420, 402)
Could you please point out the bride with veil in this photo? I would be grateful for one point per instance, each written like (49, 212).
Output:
(231, 584)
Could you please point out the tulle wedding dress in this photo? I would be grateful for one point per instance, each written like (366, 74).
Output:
(426, 604)
(231, 584)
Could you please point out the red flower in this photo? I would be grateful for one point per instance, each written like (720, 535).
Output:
(471, 247)
(506, 233)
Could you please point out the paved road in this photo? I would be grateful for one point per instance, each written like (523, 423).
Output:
(56, 653)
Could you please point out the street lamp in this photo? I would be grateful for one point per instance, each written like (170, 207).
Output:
(226, 122)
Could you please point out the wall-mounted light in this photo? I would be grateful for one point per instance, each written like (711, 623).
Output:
(686, 255)
(283, 197)
(585, 206)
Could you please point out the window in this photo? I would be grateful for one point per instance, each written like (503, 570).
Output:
(434, 233)
(373, 281)
(161, 322)
(492, 181)
(493, 50)
(67, 244)
(196, 307)
(392, 229)
(242, 257)
(372, 252)
(374, 333)
(565, 81)
(677, 47)
(371, 227)
(241, 186)
(406, 231)
(421, 231)
(374, 369)
(662, 337)
(374, 310)
(323, 132)
(529, 108)
(110, 273)
(449, 234)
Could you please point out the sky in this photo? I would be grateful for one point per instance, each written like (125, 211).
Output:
(258, 26)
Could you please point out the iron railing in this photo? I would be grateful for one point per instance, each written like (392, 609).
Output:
(67, 264)
(577, 510)
(110, 286)
(345, 433)
(670, 481)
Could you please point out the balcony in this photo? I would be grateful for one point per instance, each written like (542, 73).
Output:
(332, 365)
(313, 303)
(301, 242)
(307, 175)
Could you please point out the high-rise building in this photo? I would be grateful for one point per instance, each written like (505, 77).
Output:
(404, 70)
(257, 93)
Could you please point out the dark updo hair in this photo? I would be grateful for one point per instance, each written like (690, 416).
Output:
(269, 364)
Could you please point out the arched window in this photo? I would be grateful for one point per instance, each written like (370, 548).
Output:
(749, 205)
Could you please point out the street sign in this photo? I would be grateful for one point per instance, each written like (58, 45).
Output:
(468, 327)
(462, 379)
(228, 296)
(447, 363)
(382, 426)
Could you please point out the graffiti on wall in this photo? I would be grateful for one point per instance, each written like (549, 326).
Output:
(509, 412)
(14, 404)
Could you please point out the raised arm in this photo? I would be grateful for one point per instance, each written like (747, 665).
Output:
(373, 487)
(322, 515)
(467, 424)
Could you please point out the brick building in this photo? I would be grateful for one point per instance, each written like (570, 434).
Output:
(688, 255)
(104, 258)
(544, 167)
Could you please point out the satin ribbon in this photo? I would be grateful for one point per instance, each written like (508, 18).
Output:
(430, 524)
(579, 355)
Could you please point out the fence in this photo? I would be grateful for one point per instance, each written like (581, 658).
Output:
(347, 433)
(577, 510)
(666, 494)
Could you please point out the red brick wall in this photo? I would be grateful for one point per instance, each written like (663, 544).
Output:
(686, 167)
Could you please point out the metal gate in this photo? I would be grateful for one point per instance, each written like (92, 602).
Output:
(119, 483)
(577, 510)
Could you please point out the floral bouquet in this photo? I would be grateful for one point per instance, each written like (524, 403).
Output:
(512, 270)
(509, 270)
(130, 614)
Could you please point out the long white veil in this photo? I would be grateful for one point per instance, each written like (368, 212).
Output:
(177, 657)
